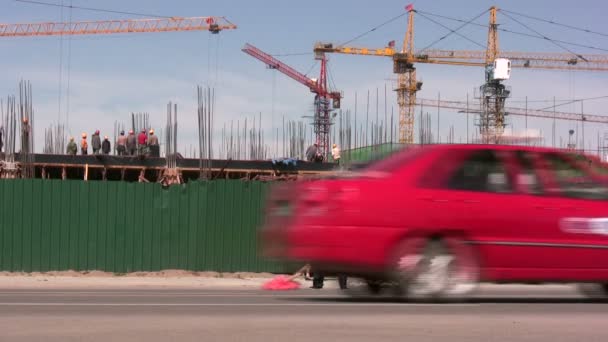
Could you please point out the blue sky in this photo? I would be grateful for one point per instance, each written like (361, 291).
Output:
(111, 76)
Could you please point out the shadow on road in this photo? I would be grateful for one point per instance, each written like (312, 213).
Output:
(485, 300)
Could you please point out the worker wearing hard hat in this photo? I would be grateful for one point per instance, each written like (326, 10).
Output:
(105, 145)
(131, 143)
(335, 153)
(96, 142)
(153, 144)
(142, 142)
(121, 144)
(84, 145)
(72, 147)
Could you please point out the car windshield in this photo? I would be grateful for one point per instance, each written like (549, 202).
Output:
(574, 181)
(599, 168)
(390, 164)
(596, 166)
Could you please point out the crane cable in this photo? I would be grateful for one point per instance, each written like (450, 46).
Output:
(69, 67)
(60, 85)
(91, 9)
(546, 38)
(514, 32)
(311, 67)
(453, 31)
(291, 54)
(218, 45)
(556, 23)
(332, 83)
(574, 101)
(373, 29)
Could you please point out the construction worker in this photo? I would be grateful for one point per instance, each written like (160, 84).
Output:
(84, 145)
(121, 144)
(96, 142)
(311, 152)
(142, 141)
(105, 145)
(72, 147)
(131, 143)
(335, 153)
(153, 144)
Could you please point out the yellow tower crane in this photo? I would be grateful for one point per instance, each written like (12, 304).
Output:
(408, 86)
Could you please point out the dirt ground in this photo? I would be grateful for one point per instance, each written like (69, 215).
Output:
(162, 279)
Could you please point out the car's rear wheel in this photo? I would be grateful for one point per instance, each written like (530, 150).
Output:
(443, 268)
(594, 290)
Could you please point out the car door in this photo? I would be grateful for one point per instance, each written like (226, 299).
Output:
(538, 208)
(478, 198)
(579, 203)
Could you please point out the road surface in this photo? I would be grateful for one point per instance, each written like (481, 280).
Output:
(507, 313)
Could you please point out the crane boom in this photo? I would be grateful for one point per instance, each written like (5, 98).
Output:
(470, 108)
(274, 63)
(532, 60)
(212, 24)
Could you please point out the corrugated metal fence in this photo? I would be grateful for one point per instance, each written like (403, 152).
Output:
(54, 225)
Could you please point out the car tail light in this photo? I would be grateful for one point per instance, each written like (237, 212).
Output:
(320, 200)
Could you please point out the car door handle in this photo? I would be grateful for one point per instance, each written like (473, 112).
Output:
(470, 201)
(547, 208)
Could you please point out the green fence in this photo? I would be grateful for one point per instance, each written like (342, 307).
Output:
(54, 225)
(370, 153)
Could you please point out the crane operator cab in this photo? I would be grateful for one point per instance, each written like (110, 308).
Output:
(499, 71)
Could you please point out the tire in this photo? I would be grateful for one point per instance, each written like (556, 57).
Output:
(436, 269)
(594, 290)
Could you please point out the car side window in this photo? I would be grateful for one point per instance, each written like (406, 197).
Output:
(574, 182)
(481, 171)
(527, 178)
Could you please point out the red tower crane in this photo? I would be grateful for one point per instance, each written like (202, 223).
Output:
(325, 100)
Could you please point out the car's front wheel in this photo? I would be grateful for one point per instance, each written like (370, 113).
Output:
(442, 268)
(594, 290)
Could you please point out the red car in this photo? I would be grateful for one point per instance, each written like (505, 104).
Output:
(436, 221)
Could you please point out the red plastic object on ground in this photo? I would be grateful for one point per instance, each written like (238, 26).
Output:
(281, 283)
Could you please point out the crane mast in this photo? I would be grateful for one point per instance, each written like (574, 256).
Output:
(493, 94)
(407, 84)
(325, 100)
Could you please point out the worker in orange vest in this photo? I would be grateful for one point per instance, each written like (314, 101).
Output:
(84, 146)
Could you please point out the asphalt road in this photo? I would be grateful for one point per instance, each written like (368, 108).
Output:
(509, 313)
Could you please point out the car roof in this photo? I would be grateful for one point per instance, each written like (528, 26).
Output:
(495, 147)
